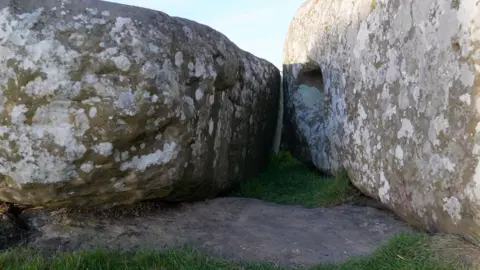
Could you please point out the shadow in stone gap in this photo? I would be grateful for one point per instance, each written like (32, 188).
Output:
(307, 92)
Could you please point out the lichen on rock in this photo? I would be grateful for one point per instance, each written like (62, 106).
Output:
(104, 104)
(400, 112)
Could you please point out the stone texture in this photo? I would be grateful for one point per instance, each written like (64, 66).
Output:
(232, 228)
(389, 90)
(102, 104)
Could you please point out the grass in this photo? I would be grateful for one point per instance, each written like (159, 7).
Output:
(405, 251)
(285, 181)
(288, 181)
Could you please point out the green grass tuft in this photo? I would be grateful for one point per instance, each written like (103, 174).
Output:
(288, 181)
(405, 251)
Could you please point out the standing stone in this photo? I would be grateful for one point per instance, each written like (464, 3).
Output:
(104, 104)
(389, 90)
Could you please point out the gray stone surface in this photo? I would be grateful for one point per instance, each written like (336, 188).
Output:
(104, 104)
(234, 228)
(389, 90)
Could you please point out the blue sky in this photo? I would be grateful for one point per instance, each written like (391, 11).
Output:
(257, 26)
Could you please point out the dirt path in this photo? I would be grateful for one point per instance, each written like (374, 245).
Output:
(234, 228)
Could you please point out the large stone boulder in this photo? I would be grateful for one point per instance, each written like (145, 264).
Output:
(389, 91)
(104, 104)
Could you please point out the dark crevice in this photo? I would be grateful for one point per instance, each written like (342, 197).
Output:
(14, 229)
(13, 212)
(234, 102)
(456, 46)
(312, 78)
(192, 81)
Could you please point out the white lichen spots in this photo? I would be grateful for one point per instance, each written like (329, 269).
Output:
(211, 71)
(391, 110)
(133, 148)
(199, 68)
(466, 98)
(92, 112)
(402, 21)
(406, 130)
(437, 125)
(119, 186)
(477, 128)
(122, 62)
(467, 76)
(126, 102)
(211, 99)
(452, 206)
(40, 55)
(210, 126)
(153, 48)
(475, 150)
(150, 70)
(81, 123)
(171, 82)
(403, 100)
(178, 59)
(116, 157)
(125, 155)
(191, 66)
(120, 24)
(3, 130)
(220, 61)
(104, 149)
(77, 39)
(188, 32)
(80, 17)
(383, 191)
(106, 13)
(96, 21)
(385, 92)
(361, 40)
(416, 93)
(199, 94)
(154, 98)
(92, 100)
(92, 11)
(399, 153)
(53, 119)
(142, 146)
(439, 164)
(472, 190)
(87, 167)
(392, 70)
(17, 115)
(159, 157)
(362, 114)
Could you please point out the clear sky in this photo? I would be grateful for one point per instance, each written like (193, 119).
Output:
(257, 26)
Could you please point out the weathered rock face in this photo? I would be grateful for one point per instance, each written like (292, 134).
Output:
(102, 104)
(389, 90)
